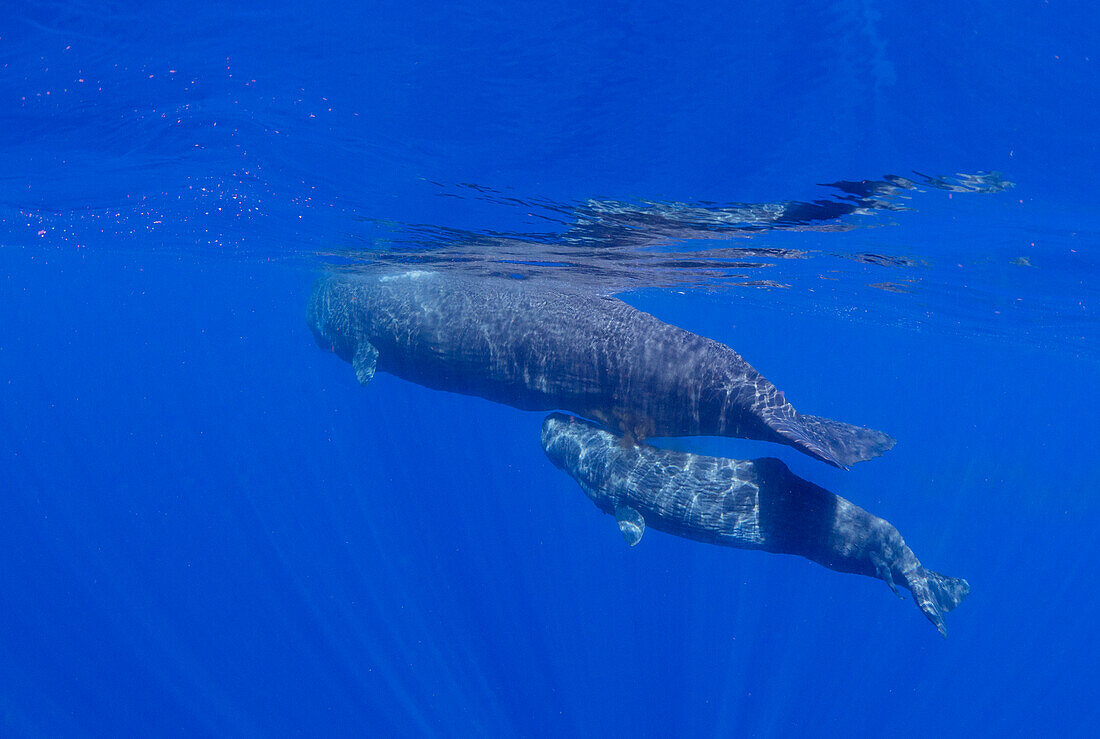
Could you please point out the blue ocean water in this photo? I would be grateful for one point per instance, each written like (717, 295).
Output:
(210, 529)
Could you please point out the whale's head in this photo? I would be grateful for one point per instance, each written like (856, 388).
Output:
(328, 317)
(562, 440)
(584, 451)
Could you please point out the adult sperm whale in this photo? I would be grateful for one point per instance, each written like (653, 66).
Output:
(538, 348)
(754, 504)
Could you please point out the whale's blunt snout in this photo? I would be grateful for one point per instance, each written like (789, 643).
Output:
(551, 432)
(559, 445)
(325, 326)
(315, 315)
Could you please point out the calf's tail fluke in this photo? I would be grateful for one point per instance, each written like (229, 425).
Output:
(937, 594)
(837, 443)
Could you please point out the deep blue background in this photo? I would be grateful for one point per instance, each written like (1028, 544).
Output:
(210, 529)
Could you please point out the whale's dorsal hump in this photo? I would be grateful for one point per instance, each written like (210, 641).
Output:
(365, 361)
(631, 524)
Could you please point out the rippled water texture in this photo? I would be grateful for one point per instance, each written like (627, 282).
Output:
(599, 158)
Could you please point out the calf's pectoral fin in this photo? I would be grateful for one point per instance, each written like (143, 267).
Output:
(631, 524)
(365, 361)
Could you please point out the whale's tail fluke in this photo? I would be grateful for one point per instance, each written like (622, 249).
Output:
(937, 594)
(837, 443)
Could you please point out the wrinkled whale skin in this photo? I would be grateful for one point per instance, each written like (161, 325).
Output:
(537, 348)
(750, 504)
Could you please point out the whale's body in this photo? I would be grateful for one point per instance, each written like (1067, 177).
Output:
(537, 348)
(751, 504)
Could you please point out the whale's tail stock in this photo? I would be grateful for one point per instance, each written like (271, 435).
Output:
(837, 443)
(936, 594)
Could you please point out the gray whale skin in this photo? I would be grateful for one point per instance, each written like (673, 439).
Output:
(754, 504)
(537, 348)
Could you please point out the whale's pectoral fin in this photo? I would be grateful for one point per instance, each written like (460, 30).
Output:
(631, 524)
(883, 571)
(365, 362)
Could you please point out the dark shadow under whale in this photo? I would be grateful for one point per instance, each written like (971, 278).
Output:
(753, 504)
(539, 348)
